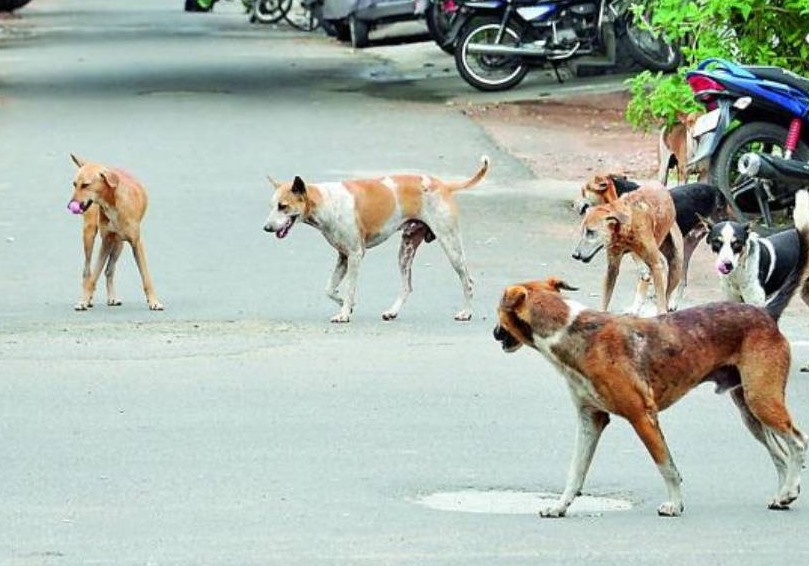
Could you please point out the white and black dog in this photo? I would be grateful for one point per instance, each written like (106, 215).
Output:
(760, 270)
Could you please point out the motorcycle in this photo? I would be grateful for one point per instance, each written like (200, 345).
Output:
(497, 41)
(753, 110)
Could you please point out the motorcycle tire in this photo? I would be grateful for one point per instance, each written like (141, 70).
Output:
(438, 21)
(359, 32)
(752, 136)
(270, 11)
(481, 71)
(651, 51)
(11, 5)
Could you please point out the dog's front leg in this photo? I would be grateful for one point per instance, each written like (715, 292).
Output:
(613, 265)
(658, 265)
(336, 278)
(89, 283)
(352, 270)
(591, 424)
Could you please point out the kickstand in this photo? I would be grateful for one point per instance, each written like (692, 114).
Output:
(556, 72)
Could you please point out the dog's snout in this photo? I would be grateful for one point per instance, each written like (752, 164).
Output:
(267, 228)
(576, 254)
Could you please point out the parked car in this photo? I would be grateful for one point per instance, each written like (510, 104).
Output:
(353, 20)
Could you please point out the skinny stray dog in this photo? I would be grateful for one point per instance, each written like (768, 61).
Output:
(634, 368)
(359, 214)
(113, 204)
(692, 202)
(636, 223)
(676, 147)
(759, 270)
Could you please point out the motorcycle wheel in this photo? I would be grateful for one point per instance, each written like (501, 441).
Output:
(438, 21)
(270, 11)
(651, 50)
(489, 73)
(763, 137)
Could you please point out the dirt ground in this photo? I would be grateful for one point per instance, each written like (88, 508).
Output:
(571, 139)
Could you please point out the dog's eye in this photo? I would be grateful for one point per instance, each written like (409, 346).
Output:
(716, 246)
(85, 185)
(282, 206)
(736, 247)
(589, 233)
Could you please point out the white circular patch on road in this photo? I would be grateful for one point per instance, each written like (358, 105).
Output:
(507, 502)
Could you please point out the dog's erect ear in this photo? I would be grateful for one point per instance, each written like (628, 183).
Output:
(78, 160)
(273, 182)
(557, 284)
(110, 178)
(298, 186)
(513, 297)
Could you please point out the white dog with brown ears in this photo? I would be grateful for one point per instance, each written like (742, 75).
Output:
(359, 214)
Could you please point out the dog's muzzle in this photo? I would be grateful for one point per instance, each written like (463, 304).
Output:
(507, 341)
(283, 230)
(586, 255)
(77, 207)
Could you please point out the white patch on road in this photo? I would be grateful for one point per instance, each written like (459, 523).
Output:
(508, 502)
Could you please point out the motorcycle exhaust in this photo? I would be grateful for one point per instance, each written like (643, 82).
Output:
(788, 171)
(507, 50)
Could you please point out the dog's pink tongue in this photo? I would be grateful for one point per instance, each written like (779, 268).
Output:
(722, 268)
(74, 206)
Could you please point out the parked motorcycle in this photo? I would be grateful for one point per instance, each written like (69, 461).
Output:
(498, 41)
(749, 109)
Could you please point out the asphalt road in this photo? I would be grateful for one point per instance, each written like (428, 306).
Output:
(239, 427)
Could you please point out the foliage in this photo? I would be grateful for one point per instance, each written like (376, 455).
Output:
(752, 32)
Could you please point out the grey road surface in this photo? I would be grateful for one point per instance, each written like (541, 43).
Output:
(239, 427)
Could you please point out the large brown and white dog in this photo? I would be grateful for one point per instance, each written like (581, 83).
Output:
(359, 214)
(634, 368)
(113, 204)
(637, 223)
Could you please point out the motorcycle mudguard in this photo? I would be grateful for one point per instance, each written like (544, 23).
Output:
(460, 19)
(708, 142)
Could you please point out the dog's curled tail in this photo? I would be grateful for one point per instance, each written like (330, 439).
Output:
(799, 278)
(474, 179)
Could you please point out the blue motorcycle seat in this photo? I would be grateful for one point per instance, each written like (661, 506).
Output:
(779, 75)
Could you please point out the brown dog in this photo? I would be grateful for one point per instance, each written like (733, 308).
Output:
(113, 204)
(636, 223)
(634, 367)
(606, 187)
(675, 148)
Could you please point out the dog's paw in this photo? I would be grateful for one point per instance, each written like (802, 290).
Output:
(463, 316)
(553, 512)
(114, 302)
(340, 318)
(389, 315)
(670, 509)
(82, 306)
(782, 501)
(155, 306)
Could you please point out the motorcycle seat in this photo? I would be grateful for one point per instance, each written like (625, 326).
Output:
(779, 75)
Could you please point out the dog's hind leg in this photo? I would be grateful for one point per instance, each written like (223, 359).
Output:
(648, 429)
(336, 278)
(109, 272)
(413, 234)
(777, 450)
(591, 424)
(764, 375)
(451, 242)
(139, 251)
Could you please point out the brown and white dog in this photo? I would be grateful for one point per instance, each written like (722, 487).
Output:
(636, 223)
(634, 368)
(675, 148)
(113, 204)
(359, 214)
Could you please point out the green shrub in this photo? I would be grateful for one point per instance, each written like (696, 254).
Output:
(751, 32)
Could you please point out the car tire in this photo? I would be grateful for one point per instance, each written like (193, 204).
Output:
(359, 31)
